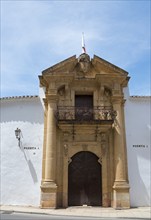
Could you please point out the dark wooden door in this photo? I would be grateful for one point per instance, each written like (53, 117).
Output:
(84, 180)
(84, 107)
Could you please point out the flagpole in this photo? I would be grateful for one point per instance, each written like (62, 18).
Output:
(83, 44)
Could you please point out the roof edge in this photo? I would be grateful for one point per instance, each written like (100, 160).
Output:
(140, 97)
(19, 97)
(37, 96)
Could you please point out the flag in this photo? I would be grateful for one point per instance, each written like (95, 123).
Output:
(83, 44)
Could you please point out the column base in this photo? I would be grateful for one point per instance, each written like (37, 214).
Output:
(48, 195)
(106, 200)
(121, 198)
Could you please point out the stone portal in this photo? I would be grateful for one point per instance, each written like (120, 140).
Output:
(84, 150)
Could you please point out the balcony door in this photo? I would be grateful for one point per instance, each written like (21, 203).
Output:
(84, 107)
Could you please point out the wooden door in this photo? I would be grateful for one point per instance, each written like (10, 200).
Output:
(84, 180)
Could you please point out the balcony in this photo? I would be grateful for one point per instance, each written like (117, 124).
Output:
(85, 114)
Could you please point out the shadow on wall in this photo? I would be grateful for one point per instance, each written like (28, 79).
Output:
(139, 176)
(30, 164)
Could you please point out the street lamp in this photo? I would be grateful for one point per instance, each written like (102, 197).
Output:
(18, 135)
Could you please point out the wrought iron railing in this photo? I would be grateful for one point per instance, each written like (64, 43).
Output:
(85, 113)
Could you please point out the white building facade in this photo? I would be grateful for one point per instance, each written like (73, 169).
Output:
(21, 163)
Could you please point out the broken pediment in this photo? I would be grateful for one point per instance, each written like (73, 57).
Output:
(65, 66)
(106, 67)
(84, 67)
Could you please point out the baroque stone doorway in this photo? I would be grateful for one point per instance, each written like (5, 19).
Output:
(84, 180)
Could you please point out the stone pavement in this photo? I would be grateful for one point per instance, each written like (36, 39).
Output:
(140, 212)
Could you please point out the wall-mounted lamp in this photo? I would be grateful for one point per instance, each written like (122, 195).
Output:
(18, 135)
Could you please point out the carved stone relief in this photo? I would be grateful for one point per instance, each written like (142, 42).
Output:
(69, 160)
(103, 137)
(103, 143)
(85, 147)
(84, 63)
(61, 90)
(103, 149)
(67, 136)
(65, 149)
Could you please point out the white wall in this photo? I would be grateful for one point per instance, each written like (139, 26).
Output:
(21, 168)
(137, 118)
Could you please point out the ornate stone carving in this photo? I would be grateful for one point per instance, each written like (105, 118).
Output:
(61, 90)
(65, 149)
(84, 147)
(69, 160)
(66, 135)
(103, 148)
(103, 137)
(107, 93)
(103, 143)
(84, 63)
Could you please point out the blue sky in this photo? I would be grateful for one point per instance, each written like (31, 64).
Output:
(37, 34)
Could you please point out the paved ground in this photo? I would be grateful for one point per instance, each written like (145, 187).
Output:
(25, 216)
(138, 213)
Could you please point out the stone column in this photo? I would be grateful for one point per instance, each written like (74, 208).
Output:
(49, 187)
(121, 187)
(44, 140)
(105, 173)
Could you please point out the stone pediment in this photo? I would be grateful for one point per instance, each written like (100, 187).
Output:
(84, 67)
(65, 66)
(104, 67)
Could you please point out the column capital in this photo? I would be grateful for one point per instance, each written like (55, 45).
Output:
(118, 100)
(51, 98)
(45, 102)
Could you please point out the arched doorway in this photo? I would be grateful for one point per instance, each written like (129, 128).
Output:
(84, 180)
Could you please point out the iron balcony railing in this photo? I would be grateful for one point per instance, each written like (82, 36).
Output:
(67, 113)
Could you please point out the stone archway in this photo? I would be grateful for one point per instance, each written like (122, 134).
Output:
(84, 180)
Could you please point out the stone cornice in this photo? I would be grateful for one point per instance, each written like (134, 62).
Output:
(59, 65)
(51, 97)
(108, 64)
(69, 69)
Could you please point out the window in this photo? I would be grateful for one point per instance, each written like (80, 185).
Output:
(84, 107)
